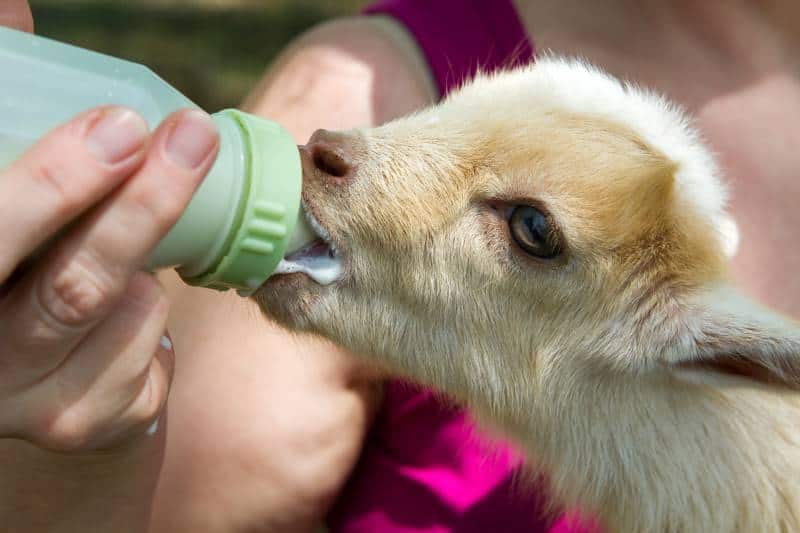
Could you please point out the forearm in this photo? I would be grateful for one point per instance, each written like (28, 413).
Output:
(350, 73)
(299, 407)
(293, 409)
(342, 75)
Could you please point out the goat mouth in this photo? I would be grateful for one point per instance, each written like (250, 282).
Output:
(320, 260)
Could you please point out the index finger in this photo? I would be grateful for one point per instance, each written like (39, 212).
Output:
(63, 175)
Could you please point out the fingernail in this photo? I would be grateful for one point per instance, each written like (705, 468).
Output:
(191, 141)
(116, 136)
(165, 343)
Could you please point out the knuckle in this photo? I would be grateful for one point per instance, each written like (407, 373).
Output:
(67, 431)
(161, 207)
(38, 337)
(146, 292)
(78, 293)
(161, 308)
(67, 198)
(149, 404)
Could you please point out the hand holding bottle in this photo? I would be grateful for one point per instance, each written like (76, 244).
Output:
(99, 199)
(83, 357)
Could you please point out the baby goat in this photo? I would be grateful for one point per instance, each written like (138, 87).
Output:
(549, 247)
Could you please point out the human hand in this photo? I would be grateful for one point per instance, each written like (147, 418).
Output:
(83, 364)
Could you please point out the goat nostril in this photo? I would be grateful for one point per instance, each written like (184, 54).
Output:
(330, 161)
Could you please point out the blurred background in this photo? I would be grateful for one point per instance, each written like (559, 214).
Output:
(214, 51)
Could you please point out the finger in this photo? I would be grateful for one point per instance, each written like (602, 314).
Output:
(49, 312)
(162, 372)
(16, 14)
(124, 231)
(144, 412)
(115, 383)
(65, 173)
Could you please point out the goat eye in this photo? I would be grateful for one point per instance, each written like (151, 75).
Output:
(533, 232)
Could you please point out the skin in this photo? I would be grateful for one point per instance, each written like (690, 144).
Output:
(16, 14)
(582, 360)
(285, 472)
(282, 475)
(765, 93)
(85, 370)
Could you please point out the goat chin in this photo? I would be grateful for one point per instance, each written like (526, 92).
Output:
(549, 246)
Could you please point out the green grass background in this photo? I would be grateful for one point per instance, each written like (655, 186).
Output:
(214, 51)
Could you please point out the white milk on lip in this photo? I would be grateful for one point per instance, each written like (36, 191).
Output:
(322, 269)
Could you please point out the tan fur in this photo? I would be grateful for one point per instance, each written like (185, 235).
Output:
(604, 364)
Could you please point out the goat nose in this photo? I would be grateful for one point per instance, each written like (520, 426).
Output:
(331, 153)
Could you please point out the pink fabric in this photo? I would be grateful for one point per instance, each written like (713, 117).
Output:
(425, 467)
(459, 37)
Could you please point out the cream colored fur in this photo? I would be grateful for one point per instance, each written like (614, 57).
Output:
(651, 392)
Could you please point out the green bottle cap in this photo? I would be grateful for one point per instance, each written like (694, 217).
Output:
(267, 212)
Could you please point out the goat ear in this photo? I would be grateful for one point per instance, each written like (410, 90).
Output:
(730, 335)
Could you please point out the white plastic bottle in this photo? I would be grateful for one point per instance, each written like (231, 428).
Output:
(244, 217)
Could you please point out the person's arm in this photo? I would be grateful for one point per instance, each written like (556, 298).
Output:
(281, 418)
(262, 427)
(84, 367)
(348, 73)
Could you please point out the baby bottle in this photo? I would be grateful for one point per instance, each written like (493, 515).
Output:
(244, 217)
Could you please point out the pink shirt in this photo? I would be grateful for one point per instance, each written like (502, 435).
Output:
(425, 466)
